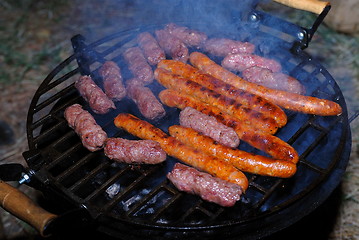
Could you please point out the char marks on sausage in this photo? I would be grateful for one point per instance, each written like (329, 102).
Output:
(291, 101)
(244, 161)
(209, 188)
(99, 102)
(244, 113)
(91, 134)
(209, 126)
(138, 64)
(112, 81)
(250, 100)
(181, 151)
(268, 143)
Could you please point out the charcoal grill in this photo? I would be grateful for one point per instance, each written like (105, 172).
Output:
(121, 200)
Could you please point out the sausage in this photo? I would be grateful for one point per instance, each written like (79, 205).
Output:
(209, 126)
(91, 134)
(240, 62)
(291, 101)
(228, 105)
(96, 98)
(134, 151)
(172, 46)
(209, 188)
(177, 149)
(190, 37)
(221, 47)
(138, 65)
(247, 99)
(112, 81)
(242, 160)
(150, 47)
(267, 78)
(263, 141)
(146, 101)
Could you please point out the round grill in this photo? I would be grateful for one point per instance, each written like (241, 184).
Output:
(139, 200)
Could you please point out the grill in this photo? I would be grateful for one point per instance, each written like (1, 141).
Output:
(123, 200)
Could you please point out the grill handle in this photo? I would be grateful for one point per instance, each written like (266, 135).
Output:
(21, 206)
(313, 6)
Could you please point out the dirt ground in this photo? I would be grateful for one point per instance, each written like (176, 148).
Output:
(35, 37)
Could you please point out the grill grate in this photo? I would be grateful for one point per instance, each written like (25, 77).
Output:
(141, 194)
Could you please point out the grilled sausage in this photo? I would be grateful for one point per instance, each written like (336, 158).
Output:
(228, 105)
(138, 65)
(184, 153)
(240, 62)
(146, 101)
(291, 101)
(209, 126)
(242, 160)
(223, 46)
(209, 188)
(97, 99)
(91, 134)
(267, 78)
(112, 81)
(247, 99)
(151, 50)
(134, 151)
(265, 142)
(190, 37)
(172, 46)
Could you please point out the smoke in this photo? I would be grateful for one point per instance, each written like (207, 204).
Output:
(125, 14)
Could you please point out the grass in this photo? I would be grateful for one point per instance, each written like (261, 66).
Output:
(18, 31)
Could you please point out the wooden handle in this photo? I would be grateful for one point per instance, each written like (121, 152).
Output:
(21, 206)
(313, 6)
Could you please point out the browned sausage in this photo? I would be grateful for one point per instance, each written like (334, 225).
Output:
(267, 78)
(172, 45)
(242, 160)
(99, 102)
(268, 143)
(134, 151)
(209, 126)
(138, 65)
(209, 188)
(291, 101)
(149, 45)
(240, 62)
(247, 99)
(146, 101)
(190, 37)
(228, 105)
(91, 134)
(112, 81)
(179, 150)
(223, 46)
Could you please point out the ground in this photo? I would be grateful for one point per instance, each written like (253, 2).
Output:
(35, 37)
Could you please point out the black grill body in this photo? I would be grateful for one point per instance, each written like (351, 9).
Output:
(124, 200)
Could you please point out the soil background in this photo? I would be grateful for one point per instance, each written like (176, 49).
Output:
(35, 37)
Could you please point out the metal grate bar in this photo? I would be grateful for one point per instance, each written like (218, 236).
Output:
(130, 188)
(53, 98)
(45, 135)
(89, 176)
